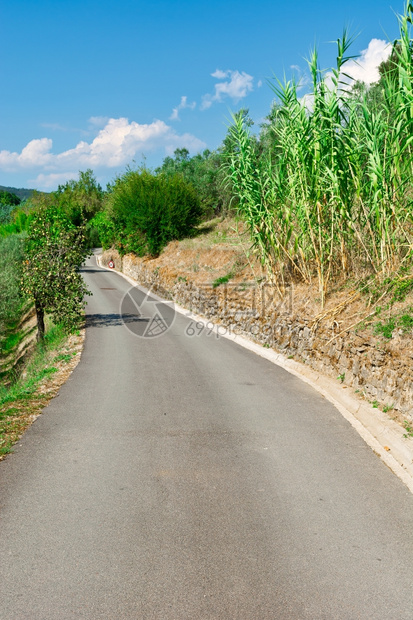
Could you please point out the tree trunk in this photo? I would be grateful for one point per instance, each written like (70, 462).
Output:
(40, 322)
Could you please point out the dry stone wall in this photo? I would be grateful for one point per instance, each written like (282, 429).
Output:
(381, 372)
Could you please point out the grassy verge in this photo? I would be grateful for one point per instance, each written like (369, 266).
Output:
(22, 400)
(10, 342)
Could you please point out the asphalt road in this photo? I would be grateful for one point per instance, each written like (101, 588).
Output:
(183, 477)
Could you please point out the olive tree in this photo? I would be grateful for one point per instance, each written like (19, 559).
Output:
(55, 249)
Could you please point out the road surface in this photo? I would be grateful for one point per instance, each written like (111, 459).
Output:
(183, 477)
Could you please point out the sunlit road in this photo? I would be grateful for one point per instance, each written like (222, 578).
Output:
(183, 477)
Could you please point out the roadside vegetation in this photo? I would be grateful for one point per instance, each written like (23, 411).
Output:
(54, 250)
(12, 297)
(324, 187)
(43, 242)
(327, 190)
(145, 211)
(29, 388)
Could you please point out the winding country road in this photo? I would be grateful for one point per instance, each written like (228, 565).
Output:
(183, 477)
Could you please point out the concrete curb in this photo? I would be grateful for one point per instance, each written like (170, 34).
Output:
(383, 435)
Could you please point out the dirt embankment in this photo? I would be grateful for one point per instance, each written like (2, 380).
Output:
(25, 333)
(213, 275)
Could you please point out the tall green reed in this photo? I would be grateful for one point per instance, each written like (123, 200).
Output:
(334, 191)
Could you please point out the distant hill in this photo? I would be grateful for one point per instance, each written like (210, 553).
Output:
(21, 193)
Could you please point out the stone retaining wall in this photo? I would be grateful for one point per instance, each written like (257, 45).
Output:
(381, 372)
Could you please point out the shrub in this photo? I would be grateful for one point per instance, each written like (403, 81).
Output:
(148, 211)
(11, 296)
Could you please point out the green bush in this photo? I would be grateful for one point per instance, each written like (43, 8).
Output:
(148, 211)
(101, 230)
(5, 213)
(15, 222)
(11, 296)
(207, 175)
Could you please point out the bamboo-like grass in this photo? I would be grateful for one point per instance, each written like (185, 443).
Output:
(334, 192)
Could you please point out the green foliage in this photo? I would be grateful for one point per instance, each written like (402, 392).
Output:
(7, 198)
(21, 193)
(18, 397)
(404, 322)
(409, 429)
(79, 200)
(203, 171)
(148, 211)
(55, 249)
(401, 286)
(63, 357)
(5, 213)
(222, 280)
(38, 366)
(14, 219)
(327, 189)
(11, 295)
(385, 329)
(10, 342)
(104, 227)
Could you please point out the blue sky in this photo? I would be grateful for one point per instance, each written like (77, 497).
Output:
(103, 85)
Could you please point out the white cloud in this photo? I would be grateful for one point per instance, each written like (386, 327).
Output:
(220, 75)
(366, 67)
(55, 127)
(115, 145)
(237, 87)
(301, 79)
(186, 140)
(182, 106)
(35, 153)
(98, 121)
(206, 102)
(50, 181)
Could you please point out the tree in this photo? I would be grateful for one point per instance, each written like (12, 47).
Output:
(80, 200)
(7, 198)
(203, 172)
(147, 211)
(55, 249)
